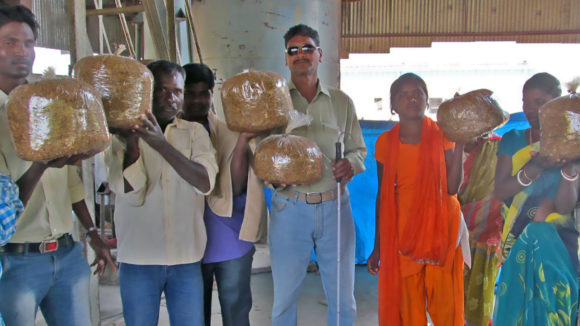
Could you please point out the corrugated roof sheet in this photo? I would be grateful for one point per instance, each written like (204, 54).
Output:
(374, 26)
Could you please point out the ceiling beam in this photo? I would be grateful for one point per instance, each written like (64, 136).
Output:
(116, 11)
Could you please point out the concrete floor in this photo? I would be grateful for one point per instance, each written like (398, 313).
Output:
(311, 306)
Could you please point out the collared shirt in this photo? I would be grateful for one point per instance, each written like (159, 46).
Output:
(233, 222)
(160, 222)
(48, 213)
(333, 120)
(220, 199)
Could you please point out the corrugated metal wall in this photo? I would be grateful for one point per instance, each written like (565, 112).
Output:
(374, 26)
(54, 21)
(54, 24)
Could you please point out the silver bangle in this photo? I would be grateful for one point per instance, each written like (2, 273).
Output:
(519, 178)
(567, 177)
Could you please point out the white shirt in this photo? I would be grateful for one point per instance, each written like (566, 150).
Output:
(161, 222)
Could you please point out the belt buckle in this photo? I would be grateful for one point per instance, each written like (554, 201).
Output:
(308, 194)
(48, 246)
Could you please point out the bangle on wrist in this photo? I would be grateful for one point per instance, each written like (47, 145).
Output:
(567, 177)
(520, 181)
(527, 176)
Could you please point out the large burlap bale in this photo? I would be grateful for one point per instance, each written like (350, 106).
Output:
(54, 118)
(256, 101)
(288, 159)
(560, 124)
(125, 85)
(468, 116)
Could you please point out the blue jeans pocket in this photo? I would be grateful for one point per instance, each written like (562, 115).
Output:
(279, 202)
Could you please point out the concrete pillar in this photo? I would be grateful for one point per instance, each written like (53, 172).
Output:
(235, 35)
(239, 34)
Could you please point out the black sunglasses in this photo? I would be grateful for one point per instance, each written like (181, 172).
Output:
(306, 49)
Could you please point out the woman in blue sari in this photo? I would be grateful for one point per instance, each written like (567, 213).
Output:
(538, 284)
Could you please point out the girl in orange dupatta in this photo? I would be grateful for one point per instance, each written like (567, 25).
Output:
(418, 216)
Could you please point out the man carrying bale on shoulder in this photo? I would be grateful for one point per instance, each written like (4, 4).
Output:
(234, 210)
(43, 266)
(161, 171)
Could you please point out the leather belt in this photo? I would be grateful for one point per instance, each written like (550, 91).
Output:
(38, 247)
(312, 197)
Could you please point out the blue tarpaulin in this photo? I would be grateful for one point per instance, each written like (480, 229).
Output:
(363, 188)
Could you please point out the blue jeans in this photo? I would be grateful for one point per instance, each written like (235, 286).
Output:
(295, 229)
(57, 282)
(233, 283)
(142, 286)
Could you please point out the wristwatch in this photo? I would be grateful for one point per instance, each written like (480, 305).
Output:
(86, 234)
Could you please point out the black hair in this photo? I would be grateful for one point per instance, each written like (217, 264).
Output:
(20, 14)
(403, 79)
(165, 67)
(545, 82)
(198, 72)
(302, 30)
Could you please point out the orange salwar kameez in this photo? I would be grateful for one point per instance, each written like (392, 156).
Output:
(421, 264)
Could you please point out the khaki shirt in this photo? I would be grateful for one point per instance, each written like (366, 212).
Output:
(333, 119)
(221, 199)
(48, 213)
(161, 222)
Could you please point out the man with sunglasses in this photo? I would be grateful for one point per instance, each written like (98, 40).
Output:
(304, 217)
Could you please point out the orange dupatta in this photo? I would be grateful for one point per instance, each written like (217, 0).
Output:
(427, 239)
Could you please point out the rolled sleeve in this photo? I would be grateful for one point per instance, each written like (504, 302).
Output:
(204, 154)
(355, 149)
(357, 163)
(114, 162)
(136, 176)
(211, 169)
(75, 185)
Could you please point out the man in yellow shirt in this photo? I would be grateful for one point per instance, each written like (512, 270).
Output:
(43, 266)
(234, 210)
(160, 173)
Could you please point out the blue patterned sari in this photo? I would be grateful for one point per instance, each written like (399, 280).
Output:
(538, 284)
